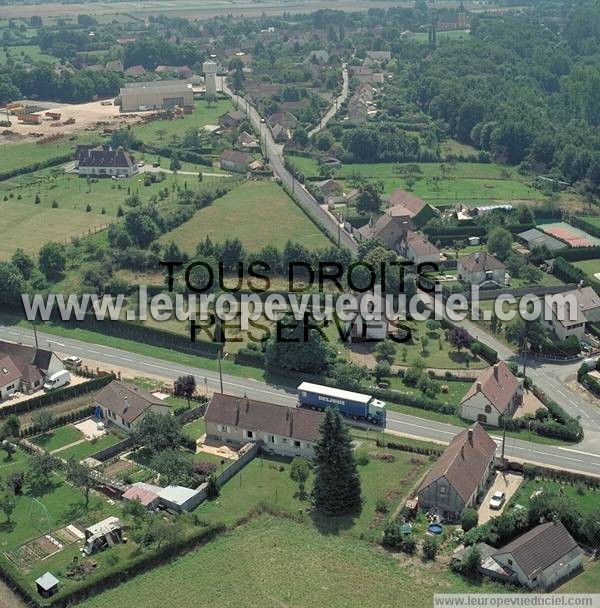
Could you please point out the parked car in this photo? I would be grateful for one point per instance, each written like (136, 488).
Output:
(57, 380)
(72, 361)
(141, 163)
(497, 500)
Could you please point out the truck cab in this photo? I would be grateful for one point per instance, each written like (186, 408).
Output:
(377, 411)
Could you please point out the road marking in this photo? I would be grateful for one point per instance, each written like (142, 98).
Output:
(580, 452)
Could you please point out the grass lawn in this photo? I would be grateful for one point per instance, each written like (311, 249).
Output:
(591, 220)
(30, 54)
(195, 429)
(267, 479)
(469, 183)
(58, 438)
(88, 448)
(590, 267)
(586, 582)
(159, 131)
(258, 213)
(456, 389)
(272, 562)
(587, 502)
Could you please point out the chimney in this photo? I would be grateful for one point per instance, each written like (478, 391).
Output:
(477, 256)
(497, 372)
(478, 386)
(125, 404)
(470, 436)
(237, 413)
(247, 402)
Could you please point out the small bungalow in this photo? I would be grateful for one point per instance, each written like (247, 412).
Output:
(231, 119)
(416, 248)
(234, 160)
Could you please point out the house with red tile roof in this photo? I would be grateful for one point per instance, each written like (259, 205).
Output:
(420, 212)
(418, 249)
(495, 393)
(460, 476)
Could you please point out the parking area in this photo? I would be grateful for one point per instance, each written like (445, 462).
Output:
(505, 482)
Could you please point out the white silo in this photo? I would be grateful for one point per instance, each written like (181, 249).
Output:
(210, 77)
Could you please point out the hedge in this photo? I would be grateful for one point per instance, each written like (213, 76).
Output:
(532, 471)
(591, 384)
(462, 230)
(63, 394)
(579, 254)
(580, 222)
(403, 447)
(571, 274)
(484, 351)
(58, 421)
(50, 162)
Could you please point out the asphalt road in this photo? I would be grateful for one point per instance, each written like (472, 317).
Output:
(333, 108)
(574, 458)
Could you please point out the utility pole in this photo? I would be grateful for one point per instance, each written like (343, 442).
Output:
(220, 370)
(503, 437)
(35, 335)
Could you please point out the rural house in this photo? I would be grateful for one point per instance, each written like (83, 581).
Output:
(234, 160)
(231, 119)
(103, 161)
(287, 431)
(281, 134)
(460, 475)
(247, 141)
(541, 558)
(125, 405)
(416, 248)
(391, 226)
(495, 393)
(419, 211)
(285, 119)
(330, 190)
(24, 368)
(573, 323)
(481, 268)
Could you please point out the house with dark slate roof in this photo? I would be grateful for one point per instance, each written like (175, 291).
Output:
(103, 161)
(460, 476)
(24, 368)
(540, 558)
(287, 431)
(125, 405)
(481, 268)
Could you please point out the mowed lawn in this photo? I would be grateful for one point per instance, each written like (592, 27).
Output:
(590, 267)
(58, 438)
(161, 130)
(258, 213)
(273, 563)
(471, 183)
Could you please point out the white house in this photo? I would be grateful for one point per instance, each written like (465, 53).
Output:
(542, 557)
(416, 248)
(125, 405)
(495, 393)
(566, 325)
(481, 268)
(103, 161)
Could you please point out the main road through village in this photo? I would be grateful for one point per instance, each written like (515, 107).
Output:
(576, 458)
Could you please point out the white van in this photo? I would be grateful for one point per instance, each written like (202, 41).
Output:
(57, 380)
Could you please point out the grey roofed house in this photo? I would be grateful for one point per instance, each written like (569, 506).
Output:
(235, 160)
(379, 55)
(264, 417)
(280, 133)
(102, 156)
(285, 119)
(125, 403)
(231, 119)
(246, 140)
(537, 238)
(481, 262)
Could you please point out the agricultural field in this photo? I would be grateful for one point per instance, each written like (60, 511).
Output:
(280, 556)
(159, 131)
(442, 184)
(258, 213)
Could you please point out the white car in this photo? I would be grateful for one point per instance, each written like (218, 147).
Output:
(497, 500)
(72, 361)
(141, 163)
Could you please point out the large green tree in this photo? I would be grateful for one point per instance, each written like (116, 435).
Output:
(336, 490)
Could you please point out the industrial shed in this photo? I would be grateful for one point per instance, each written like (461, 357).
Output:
(157, 95)
(536, 238)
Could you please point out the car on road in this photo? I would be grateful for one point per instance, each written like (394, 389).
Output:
(141, 163)
(72, 361)
(497, 500)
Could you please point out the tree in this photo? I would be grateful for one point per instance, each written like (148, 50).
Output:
(213, 489)
(459, 338)
(12, 283)
(348, 375)
(424, 343)
(429, 548)
(43, 419)
(336, 490)
(385, 351)
(7, 504)
(468, 519)
(52, 260)
(175, 164)
(382, 370)
(369, 199)
(81, 477)
(40, 467)
(9, 447)
(158, 432)
(499, 242)
(299, 472)
(23, 262)
(471, 561)
(173, 466)
(185, 386)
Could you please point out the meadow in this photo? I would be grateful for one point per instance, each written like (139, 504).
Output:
(590, 267)
(441, 184)
(271, 562)
(258, 213)
(30, 53)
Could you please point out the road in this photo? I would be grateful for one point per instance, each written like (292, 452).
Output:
(333, 108)
(575, 459)
(274, 154)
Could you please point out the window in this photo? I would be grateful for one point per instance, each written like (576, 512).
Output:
(488, 409)
(249, 435)
(482, 418)
(223, 428)
(510, 562)
(271, 438)
(442, 490)
(284, 440)
(297, 444)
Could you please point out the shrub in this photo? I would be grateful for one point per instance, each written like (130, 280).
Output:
(381, 506)
(429, 548)
(469, 519)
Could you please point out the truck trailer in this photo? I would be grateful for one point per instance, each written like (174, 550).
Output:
(352, 405)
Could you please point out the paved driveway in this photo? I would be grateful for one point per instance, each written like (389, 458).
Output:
(505, 482)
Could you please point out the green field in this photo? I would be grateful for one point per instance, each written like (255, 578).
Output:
(58, 438)
(586, 582)
(159, 131)
(590, 267)
(591, 220)
(29, 53)
(258, 213)
(194, 430)
(469, 183)
(441, 36)
(274, 563)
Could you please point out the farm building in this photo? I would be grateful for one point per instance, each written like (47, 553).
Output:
(419, 211)
(495, 393)
(460, 475)
(105, 533)
(171, 498)
(145, 493)
(158, 95)
(234, 160)
(47, 585)
(24, 368)
(536, 238)
(125, 405)
(287, 431)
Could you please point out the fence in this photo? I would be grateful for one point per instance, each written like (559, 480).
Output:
(113, 450)
(192, 414)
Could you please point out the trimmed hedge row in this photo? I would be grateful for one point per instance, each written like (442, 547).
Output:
(62, 394)
(434, 232)
(532, 471)
(74, 416)
(44, 164)
(588, 227)
(413, 449)
(579, 254)
(571, 274)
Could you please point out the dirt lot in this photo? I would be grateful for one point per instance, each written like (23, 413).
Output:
(88, 116)
(529, 406)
